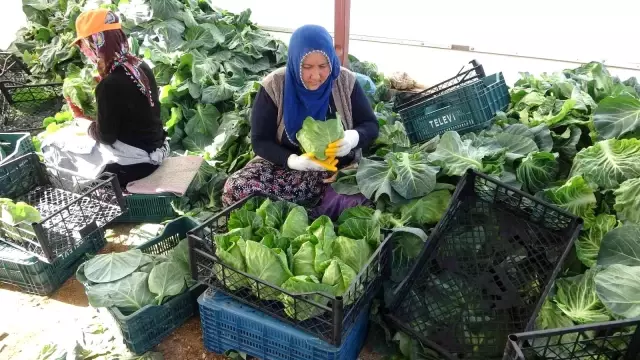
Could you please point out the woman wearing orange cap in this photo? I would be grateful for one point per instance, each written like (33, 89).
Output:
(128, 131)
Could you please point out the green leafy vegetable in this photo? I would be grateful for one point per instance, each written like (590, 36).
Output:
(322, 229)
(627, 204)
(295, 223)
(402, 176)
(180, 256)
(617, 116)
(231, 248)
(355, 253)
(368, 229)
(577, 299)
(20, 212)
(589, 242)
(316, 135)
(608, 163)
(620, 246)
(276, 213)
(455, 155)
(242, 218)
(550, 317)
(339, 275)
(537, 171)
(129, 294)
(106, 268)
(166, 279)
(428, 209)
(268, 265)
(576, 197)
(618, 288)
(79, 87)
(301, 310)
(407, 245)
(346, 182)
(304, 260)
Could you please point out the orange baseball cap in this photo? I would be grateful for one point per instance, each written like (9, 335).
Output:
(94, 21)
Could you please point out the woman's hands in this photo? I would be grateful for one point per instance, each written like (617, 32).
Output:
(307, 162)
(343, 146)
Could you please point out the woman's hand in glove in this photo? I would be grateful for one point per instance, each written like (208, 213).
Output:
(343, 146)
(307, 162)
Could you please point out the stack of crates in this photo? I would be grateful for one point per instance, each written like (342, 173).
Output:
(464, 103)
(235, 318)
(33, 276)
(40, 256)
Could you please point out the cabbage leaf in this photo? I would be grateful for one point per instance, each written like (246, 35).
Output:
(316, 135)
(608, 163)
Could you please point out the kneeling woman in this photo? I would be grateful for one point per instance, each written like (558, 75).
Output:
(312, 84)
(128, 136)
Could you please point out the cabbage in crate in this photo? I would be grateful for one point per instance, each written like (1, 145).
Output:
(316, 135)
(18, 218)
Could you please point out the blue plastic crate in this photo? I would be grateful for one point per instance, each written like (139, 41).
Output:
(229, 325)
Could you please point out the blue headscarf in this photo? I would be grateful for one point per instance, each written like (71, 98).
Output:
(298, 101)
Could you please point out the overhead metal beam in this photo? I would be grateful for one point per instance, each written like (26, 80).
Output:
(341, 29)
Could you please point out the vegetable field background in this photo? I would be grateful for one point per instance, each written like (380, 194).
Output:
(570, 137)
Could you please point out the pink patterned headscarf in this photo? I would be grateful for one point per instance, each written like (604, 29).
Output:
(113, 48)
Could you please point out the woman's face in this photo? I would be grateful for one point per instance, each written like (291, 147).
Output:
(315, 70)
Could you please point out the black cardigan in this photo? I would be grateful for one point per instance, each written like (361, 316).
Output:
(124, 112)
(264, 127)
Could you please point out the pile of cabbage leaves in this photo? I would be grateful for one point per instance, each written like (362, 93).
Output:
(276, 242)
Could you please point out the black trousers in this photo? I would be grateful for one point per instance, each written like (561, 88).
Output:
(129, 173)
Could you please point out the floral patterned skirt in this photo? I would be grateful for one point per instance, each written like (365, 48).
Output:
(262, 176)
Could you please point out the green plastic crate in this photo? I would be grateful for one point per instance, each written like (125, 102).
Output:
(33, 276)
(67, 216)
(147, 208)
(20, 144)
(146, 327)
(463, 108)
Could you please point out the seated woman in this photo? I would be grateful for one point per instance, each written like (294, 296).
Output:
(312, 84)
(131, 141)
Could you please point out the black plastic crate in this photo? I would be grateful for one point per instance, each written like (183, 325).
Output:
(466, 102)
(612, 340)
(24, 107)
(69, 214)
(338, 316)
(13, 69)
(485, 271)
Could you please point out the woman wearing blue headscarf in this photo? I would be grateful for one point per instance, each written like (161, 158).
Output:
(312, 84)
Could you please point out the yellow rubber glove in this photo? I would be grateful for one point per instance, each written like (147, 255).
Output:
(342, 147)
(308, 162)
(329, 164)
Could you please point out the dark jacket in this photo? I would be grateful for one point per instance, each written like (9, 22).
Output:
(124, 112)
(264, 127)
